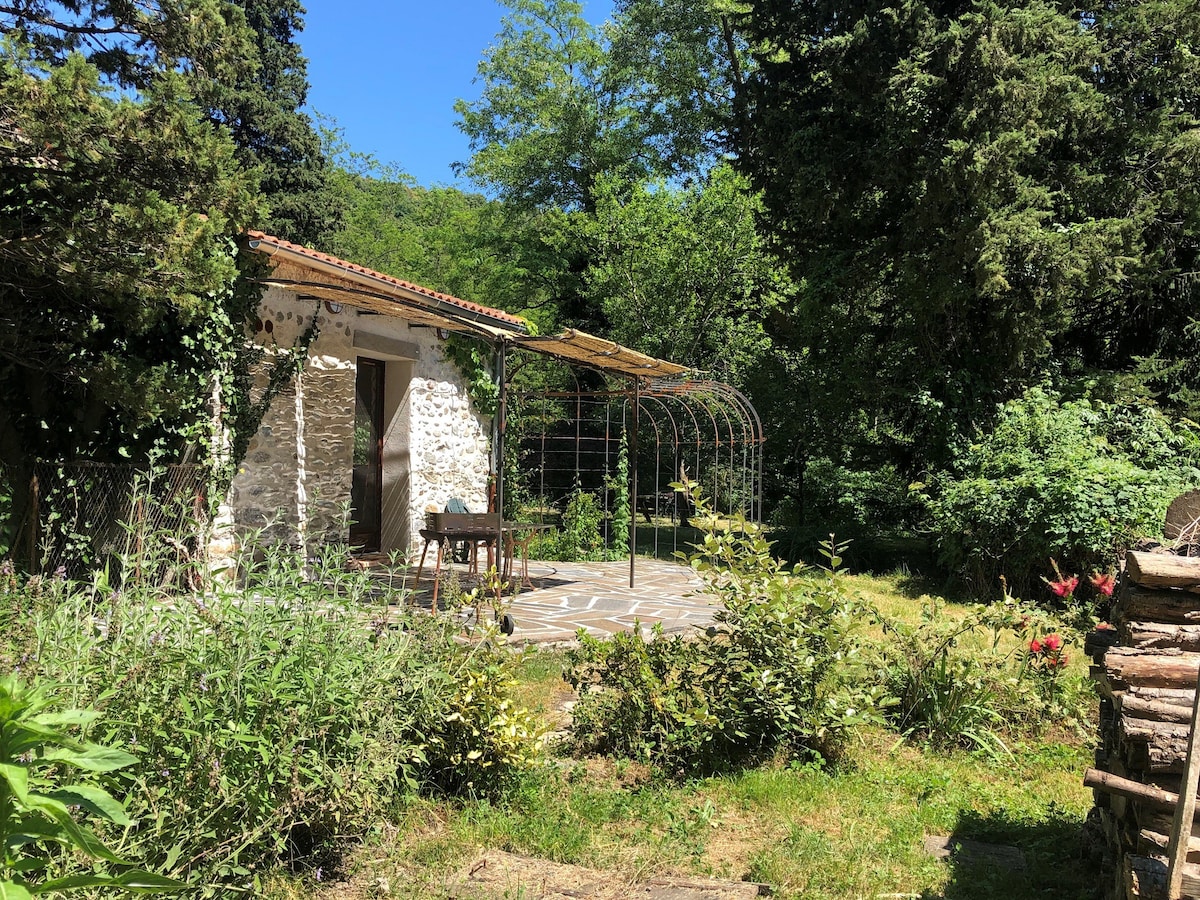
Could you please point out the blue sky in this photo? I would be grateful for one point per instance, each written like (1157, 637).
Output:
(389, 73)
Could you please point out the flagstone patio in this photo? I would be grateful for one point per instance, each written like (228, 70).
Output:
(565, 597)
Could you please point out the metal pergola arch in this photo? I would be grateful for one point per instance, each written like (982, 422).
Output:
(708, 431)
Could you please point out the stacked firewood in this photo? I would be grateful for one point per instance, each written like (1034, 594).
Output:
(1146, 667)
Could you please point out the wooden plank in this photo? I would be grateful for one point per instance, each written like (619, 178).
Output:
(1185, 810)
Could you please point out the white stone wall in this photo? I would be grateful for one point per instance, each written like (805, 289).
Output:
(294, 482)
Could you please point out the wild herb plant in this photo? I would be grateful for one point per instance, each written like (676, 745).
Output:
(937, 689)
(45, 775)
(773, 671)
(962, 681)
(275, 717)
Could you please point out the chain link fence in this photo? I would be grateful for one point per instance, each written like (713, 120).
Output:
(78, 516)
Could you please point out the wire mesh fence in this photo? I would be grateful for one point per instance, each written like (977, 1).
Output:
(73, 517)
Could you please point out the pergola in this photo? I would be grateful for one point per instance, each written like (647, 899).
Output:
(690, 416)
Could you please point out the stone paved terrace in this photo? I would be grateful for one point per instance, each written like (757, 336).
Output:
(568, 596)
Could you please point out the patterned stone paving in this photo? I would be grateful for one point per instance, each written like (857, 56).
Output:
(596, 596)
(565, 597)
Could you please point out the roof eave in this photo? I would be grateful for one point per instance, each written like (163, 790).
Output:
(451, 311)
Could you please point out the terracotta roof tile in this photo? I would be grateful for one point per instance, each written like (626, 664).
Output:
(466, 305)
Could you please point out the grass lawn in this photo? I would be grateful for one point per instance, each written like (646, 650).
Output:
(854, 829)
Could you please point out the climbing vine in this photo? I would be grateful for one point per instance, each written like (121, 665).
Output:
(473, 358)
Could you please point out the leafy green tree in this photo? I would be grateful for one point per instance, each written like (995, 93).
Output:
(1151, 74)
(547, 125)
(565, 102)
(925, 168)
(687, 62)
(683, 274)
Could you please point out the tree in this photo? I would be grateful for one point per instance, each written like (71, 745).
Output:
(133, 42)
(116, 307)
(687, 62)
(262, 111)
(926, 171)
(565, 103)
(683, 274)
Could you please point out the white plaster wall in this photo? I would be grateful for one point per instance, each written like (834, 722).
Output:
(294, 482)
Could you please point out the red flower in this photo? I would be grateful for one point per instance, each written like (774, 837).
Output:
(1103, 582)
(1064, 587)
(1053, 642)
(1105, 626)
(1035, 646)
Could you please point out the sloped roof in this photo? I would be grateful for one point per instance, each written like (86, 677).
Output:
(337, 280)
(587, 349)
(321, 275)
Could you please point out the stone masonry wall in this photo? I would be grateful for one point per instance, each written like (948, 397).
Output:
(295, 480)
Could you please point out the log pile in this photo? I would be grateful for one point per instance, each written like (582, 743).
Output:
(1146, 668)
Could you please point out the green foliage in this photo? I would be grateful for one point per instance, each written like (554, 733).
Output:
(941, 689)
(854, 501)
(261, 108)
(39, 790)
(476, 361)
(970, 680)
(682, 274)
(774, 671)
(618, 485)
(579, 538)
(1069, 480)
(118, 311)
(989, 233)
(274, 722)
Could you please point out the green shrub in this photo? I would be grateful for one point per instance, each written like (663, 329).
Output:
(1072, 481)
(856, 501)
(579, 538)
(44, 774)
(773, 671)
(272, 721)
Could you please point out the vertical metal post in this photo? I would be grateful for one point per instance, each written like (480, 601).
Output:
(501, 424)
(633, 478)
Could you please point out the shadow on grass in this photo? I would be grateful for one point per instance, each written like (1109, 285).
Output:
(1055, 863)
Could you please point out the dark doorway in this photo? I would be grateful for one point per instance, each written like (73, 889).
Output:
(366, 490)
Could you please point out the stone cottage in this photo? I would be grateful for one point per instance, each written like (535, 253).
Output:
(377, 426)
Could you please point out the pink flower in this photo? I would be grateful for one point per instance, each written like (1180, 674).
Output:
(1064, 587)
(1103, 582)
(1053, 642)
(1035, 646)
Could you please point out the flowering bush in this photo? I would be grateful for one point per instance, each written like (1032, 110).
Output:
(772, 672)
